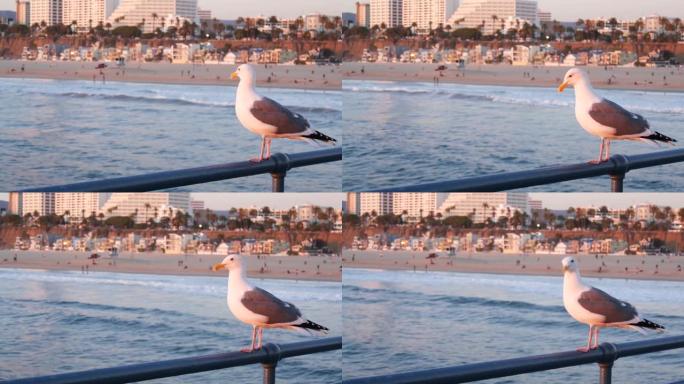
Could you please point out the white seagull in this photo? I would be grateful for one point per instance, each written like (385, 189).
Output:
(605, 119)
(596, 308)
(255, 306)
(266, 117)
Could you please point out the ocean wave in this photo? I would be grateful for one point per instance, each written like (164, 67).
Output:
(523, 97)
(184, 101)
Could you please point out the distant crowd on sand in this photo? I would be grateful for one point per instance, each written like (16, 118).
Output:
(292, 76)
(646, 267)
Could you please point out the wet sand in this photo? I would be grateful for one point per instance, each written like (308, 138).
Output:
(327, 77)
(660, 79)
(320, 268)
(659, 267)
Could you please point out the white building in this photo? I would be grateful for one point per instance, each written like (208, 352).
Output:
(141, 13)
(480, 206)
(79, 205)
(378, 202)
(427, 14)
(86, 13)
(145, 206)
(388, 12)
(417, 205)
(363, 14)
(49, 11)
(493, 13)
(203, 14)
(32, 202)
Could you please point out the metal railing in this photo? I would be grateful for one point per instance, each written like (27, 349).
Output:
(605, 356)
(616, 167)
(277, 165)
(268, 356)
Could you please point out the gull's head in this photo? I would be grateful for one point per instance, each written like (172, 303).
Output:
(229, 263)
(572, 77)
(244, 72)
(569, 264)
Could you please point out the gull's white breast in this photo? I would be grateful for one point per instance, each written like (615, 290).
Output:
(243, 103)
(575, 309)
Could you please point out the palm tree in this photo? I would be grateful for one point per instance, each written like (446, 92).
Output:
(154, 20)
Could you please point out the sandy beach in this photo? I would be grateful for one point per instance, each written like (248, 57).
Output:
(659, 267)
(326, 77)
(320, 268)
(660, 79)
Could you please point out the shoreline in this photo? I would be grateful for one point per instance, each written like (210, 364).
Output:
(304, 77)
(669, 268)
(617, 78)
(309, 268)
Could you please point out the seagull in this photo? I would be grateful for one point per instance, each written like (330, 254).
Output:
(605, 119)
(267, 118)
(596, 308)
(258, 308)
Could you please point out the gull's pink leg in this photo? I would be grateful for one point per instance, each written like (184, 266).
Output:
(596, 337)
(268, 148)
(600, 158)
(591, 336)
(607, 149)
(261, 338)
(261, 153)
(251, 348)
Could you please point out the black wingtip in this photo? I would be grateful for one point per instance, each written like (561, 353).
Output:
(313, 326)
(320, 137)
(657, 136)
(648, 324)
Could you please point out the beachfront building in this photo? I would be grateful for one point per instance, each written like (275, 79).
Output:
(491, 15)
(83, 15)
(79, 205)
(363, 14)
(352, 207)
(48, 11)
(427, 14)
(23, 12)
(148, 15)
(480, 206)
(386, 13)
(379, 203)
(145, 206)
(42, 203)
(416, 205)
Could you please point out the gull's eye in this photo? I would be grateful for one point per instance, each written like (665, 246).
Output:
(231, 259)
(570, 76)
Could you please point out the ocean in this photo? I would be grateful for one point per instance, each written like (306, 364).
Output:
(65, 131)
(404, 133)
(398, 321)
(56, 322)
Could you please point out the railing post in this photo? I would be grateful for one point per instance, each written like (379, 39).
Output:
(282, 165)
(610, 354)
(278, 181)
(269, 365)
(616, 182)
(617, 177)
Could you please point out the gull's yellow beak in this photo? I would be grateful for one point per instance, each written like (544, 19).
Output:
(562, 86)
(565, 267)
(233, 76)
(218, 267)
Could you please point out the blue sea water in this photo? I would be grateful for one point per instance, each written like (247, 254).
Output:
(397, 321)
(64, 131)
(55, 322)
(405, 133)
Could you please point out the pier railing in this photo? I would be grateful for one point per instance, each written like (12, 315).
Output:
(268, 357)
(604, 356)
(277, 165)
(616, 167)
